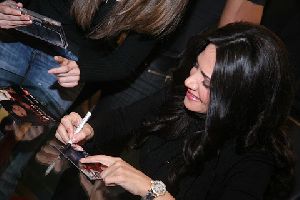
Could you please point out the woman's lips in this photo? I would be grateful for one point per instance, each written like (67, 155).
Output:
(191, 96)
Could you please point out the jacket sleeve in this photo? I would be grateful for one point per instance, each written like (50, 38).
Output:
(116, 124)
(118, 64)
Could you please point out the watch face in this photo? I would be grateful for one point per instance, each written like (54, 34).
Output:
(158, 188)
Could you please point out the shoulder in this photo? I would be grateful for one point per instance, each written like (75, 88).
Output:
(247, 174)
(252, 160)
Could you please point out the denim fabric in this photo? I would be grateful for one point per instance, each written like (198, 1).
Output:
(33, 64)
(29, 66)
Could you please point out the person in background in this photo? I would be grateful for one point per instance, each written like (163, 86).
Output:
(92, 29)
(116, 36)
(141, 96)
(124, 105)
(222, 139)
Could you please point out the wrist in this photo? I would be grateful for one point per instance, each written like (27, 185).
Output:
(157, 188)
(145, 188)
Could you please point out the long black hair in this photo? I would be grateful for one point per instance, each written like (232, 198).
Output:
(250, 98)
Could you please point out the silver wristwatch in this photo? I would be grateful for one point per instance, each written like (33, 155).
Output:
(158, 188)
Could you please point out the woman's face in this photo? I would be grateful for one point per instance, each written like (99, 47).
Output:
(198, 83)
(18, 110)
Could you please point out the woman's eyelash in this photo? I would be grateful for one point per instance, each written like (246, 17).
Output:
(206, 83)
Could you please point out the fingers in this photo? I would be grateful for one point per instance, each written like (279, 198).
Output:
(77, 147)
(65, 130)
(85, 134)
(110, 170)
(7, 24)
(64, 75)
(117, 168)
(57, 135)
(66, 65)
(68, 85)
(64, 61)
(61, 60)
(10, 8)
(59, 70)
(105, 160)
(68, 81)
(68, 74)
(11, 16)
(20, 5)
(118, 172)
(123, 174)
(62, 135)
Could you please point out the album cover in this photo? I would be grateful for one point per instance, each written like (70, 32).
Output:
(73, 155)
(24, 107)
(44, 28)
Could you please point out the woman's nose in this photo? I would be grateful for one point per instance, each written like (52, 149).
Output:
(191, 83)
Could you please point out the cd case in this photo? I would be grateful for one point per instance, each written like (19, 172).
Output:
(44, 28)
(91, 170)
(23, 107)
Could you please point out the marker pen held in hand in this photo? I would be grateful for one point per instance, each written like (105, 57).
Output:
(77, 130)
(82, 123)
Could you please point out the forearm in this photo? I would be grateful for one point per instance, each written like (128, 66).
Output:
(241, 10)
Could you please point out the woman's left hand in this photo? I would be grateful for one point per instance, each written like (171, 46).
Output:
(118, 172)
(68, 73)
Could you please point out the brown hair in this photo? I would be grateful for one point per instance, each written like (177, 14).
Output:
(153, 17)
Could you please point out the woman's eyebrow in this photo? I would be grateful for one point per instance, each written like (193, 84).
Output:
(204, 75)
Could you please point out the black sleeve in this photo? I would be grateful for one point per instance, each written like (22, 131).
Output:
(260, 2)
(116, 65)
(118, 123)
(249, 179)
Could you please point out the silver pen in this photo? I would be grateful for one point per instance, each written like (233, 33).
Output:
(70, 142)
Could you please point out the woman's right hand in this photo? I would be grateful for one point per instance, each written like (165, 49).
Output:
(67, 126)
(11, 16)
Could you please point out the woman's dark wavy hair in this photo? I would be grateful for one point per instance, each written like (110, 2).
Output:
(250, 98)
